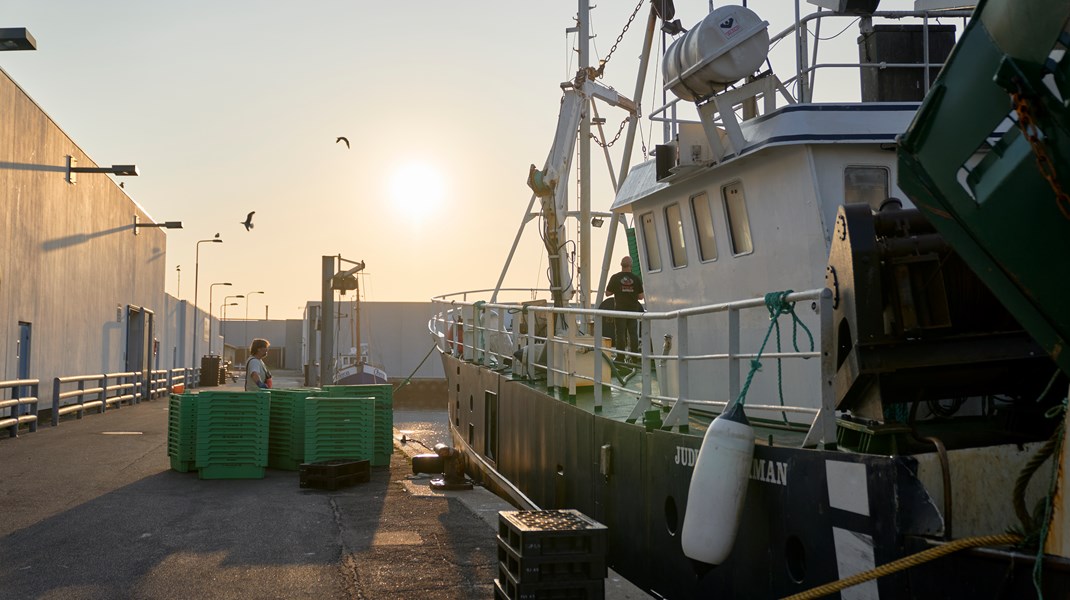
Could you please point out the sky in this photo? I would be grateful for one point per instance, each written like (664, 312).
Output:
(230, 107)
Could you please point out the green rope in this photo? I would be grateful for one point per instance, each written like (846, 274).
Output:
(413, 374)
(777, 305)
(1056, 411)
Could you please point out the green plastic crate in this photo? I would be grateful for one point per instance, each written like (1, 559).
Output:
(383, 395)
(182, 432)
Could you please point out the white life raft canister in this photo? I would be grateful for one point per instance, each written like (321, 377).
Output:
(718, 488)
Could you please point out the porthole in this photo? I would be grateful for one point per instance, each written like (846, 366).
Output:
(672, 516)
(795, 556)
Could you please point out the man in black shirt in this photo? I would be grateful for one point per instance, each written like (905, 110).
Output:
(627, 290)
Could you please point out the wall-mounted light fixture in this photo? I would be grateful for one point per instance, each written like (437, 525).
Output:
(120, 170)
(16, 38)
(164, 225)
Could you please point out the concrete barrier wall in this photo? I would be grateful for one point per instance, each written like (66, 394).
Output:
(420, 394)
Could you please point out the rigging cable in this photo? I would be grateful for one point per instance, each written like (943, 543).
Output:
(411, 375)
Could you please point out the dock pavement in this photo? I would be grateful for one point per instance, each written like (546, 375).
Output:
(90, 509)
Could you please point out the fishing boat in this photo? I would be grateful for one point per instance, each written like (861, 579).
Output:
(851, 379)
(357, 369)
(332, 328)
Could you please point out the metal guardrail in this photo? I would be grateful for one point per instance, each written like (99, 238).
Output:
(94, 391)
(111, 390)
(23, 404)
(477, 332)
(179, 377)
(98, 391)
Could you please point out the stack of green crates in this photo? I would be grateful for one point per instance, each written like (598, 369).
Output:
(232, 434)
(339, 427)
(286, 434)
(383, 395)
(182, 432)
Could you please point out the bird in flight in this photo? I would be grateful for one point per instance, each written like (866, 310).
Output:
(342, 139)
(248, 222)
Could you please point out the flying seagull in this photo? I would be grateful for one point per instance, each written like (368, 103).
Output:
(342, 139)
(248, 222)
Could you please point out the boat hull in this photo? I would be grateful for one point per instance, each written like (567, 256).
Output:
(360, 375)
(811, 516)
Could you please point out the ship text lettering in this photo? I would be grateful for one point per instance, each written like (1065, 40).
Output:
(769, 471)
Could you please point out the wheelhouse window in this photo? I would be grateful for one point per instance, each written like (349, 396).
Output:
(675, 225)
(865, 185)
(703, 217)
(735, 211)
(650, 241)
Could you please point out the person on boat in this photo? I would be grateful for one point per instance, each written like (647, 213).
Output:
(609, 324)
(627, 290)
(257, 375)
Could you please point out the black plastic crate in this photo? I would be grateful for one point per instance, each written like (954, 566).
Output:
(334, 483)
(334, 474)
(335, 468)
(538, 569)
(508, 588)
(551, 533)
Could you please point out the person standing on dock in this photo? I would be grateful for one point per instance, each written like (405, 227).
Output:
(257, 375)
(627, 290)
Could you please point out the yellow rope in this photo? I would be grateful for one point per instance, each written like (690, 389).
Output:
(910, 561)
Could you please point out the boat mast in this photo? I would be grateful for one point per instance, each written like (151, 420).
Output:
(629, 145)
(585, 158)
(356, 322)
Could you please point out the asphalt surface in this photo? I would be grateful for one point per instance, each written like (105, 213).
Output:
(91, 509)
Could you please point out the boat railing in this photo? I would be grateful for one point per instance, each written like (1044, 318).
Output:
(507, 336)
(799, 87)
(19, 404)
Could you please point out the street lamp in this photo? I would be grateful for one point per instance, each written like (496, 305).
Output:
(223, 323)
(16, 38)
(165, 225)
(247, 314)
(119, 170)
(196, 277)
(210, 314)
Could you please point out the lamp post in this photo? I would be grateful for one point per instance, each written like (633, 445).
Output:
(178, 292)
(223, 323)
(196, 278)
(247, 314)
(210, 290)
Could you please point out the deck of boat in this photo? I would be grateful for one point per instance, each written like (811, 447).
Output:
(618, 404)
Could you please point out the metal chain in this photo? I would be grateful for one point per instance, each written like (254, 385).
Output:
(602, 63)
(615, 138)
(1047, 168)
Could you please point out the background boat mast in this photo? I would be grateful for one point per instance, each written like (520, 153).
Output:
(584, 39)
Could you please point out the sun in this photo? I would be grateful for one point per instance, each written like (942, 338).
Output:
(416, 189)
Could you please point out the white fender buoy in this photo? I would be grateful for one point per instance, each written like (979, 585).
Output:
(718, 488)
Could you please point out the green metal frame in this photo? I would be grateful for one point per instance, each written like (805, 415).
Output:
(1001, 214)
